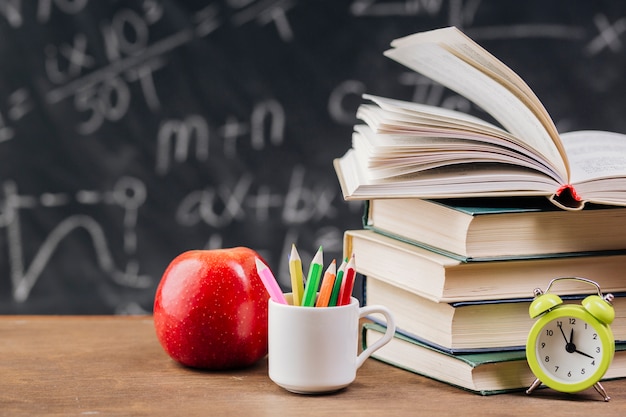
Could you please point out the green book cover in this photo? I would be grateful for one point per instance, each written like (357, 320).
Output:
(481, 206)
(493, 206)
(500, 371)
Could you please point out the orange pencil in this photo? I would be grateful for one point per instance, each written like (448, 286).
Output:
(348, 283)
(327, 285)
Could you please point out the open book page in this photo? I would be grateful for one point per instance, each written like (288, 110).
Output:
(387, 156)
(443, 115)
(466, 49)
(598, 162)
(439, 64)
(472, 181)
(416, 128)
(387, 122)
(422, 114)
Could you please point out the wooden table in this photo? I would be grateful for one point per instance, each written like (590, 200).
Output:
(114, 366)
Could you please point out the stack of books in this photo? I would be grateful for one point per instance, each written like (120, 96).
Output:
(458, 231)
(463, 316)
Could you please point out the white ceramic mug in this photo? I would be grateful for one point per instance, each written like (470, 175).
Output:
(314, 350)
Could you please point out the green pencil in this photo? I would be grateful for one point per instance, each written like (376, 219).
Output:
(337, 286)
(313, 279)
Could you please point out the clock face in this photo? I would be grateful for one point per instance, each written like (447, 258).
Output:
(570, 349)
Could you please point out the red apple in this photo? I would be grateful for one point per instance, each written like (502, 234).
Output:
(210, 309)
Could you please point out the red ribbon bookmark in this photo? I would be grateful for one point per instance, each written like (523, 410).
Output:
(571, 189)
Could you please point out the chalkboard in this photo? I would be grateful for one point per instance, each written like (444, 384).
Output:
(131, 131)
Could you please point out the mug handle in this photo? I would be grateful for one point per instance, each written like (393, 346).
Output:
(391, 329)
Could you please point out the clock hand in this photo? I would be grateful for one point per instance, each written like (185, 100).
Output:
(570, 347)
(584, 354)
(563, 333)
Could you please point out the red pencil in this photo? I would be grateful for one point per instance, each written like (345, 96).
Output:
(348, 283)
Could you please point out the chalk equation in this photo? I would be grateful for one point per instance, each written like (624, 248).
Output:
(299, 205)
(176, 137)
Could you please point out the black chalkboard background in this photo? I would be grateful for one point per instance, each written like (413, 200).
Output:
(131, 131)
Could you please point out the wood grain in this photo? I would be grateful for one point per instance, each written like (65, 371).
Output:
(114, 366)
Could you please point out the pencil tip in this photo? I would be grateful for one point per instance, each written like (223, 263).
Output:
(294, 252)
(319, 256)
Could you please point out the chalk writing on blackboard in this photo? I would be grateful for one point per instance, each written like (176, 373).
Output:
(176, 137)
(264, 12)
(128, 194)
(19, 104)
(608, 35)
(132, 131)
(300, 204)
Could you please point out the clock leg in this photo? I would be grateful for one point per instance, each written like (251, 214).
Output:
(601, 391)
(534, 385)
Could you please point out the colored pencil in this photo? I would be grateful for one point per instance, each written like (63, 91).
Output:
(297, 278)
(326, 288)
(337, 285)
(347, 283)
(313, 279)
(270, 283)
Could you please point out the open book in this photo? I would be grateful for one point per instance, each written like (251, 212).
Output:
(406, 149)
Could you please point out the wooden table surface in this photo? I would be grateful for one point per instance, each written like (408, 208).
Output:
(114, 366)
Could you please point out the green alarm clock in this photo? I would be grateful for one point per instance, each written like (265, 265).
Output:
(570, 346)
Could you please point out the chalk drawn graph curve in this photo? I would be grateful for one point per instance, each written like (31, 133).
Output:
(129, 193)
(23, 282)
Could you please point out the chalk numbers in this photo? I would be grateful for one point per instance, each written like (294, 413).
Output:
(108, 101)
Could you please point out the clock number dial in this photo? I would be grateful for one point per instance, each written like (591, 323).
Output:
(570, 349)
(570, 346)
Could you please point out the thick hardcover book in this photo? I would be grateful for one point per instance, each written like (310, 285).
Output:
(482, 373)
(406, 149)
(468, 326)
(442, 278)
(491, 228)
